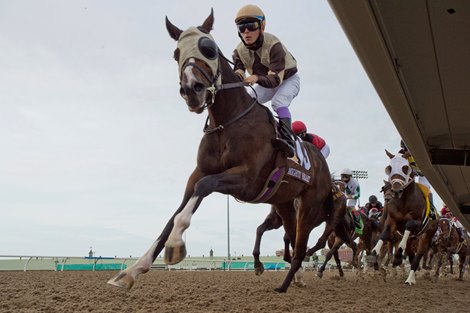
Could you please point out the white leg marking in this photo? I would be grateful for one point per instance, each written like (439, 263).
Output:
(298, 278)
(411, 278)
(404, 240)
(378, 246)
(181, 223)
(145, 261)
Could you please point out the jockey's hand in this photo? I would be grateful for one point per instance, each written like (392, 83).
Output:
(253, 79)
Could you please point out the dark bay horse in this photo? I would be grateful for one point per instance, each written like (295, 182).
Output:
(447, 243)
(408, 213)
(333, 223)
(236, 156)
(367, 239)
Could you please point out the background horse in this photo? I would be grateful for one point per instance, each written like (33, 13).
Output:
(236, 156)
(332, 220)
(408, 213)
(367, 239)
(447, 244)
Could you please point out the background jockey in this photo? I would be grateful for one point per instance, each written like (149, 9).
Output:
(445, 212)
(374, 206)
(417, 172)
(299, 128)
(352, 189)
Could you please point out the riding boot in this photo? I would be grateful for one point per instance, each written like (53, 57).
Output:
(289, 135)
(461, 233)
(285, 144)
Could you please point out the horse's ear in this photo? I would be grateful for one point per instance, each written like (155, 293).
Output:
(391, 156)
(174, 31)
(209, 22)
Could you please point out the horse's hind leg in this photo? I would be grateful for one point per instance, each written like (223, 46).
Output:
(272, 221)
(304, 225)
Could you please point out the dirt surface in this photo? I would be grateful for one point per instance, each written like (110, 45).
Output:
(183, 291)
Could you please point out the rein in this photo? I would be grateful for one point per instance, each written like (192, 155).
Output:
(222, 126)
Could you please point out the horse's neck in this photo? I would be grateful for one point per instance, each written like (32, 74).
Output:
(228, 103)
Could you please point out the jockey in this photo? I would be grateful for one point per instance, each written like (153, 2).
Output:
(352, 193)
(299, 129)
(374, 207)
(352, 189)
(269, 65)
(445, 212)
(417, 172)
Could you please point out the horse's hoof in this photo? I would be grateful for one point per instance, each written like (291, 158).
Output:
(299, 284)
(319, 274)
(259, 270)
(122, 280)
(174, 255)
(280, 290)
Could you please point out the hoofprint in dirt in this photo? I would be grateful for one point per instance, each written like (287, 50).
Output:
(217, 291)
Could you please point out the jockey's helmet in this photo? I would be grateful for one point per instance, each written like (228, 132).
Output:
(346, 172)
(251, 13)
(298, 127)
(373, 199)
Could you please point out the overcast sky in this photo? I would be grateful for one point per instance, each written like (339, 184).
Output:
(96, 144)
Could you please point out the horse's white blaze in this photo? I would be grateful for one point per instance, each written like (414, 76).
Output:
(411, 278)
(188, 72)
(181, 223)
(378, 246)
(404, 240)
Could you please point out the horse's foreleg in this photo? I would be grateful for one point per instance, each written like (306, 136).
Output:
(409, 226)
(126, 278)
(226, 183)
(385, 236)
(321, 242)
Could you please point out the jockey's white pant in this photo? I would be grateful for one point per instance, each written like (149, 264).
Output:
(351, 202)
(457, 223)
(423, 180)
(325, 151)
(281, 96)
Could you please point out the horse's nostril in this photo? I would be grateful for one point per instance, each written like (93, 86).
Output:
(198, 87)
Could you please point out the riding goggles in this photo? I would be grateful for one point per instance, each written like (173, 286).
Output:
(251, 26)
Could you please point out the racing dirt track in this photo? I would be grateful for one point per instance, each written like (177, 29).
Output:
(214, 291)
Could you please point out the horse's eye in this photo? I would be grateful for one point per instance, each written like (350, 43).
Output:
(176, 55)
(406, 169)
(388, 170)
(208, 48)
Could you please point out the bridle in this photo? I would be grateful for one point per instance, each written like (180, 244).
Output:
(215, 85)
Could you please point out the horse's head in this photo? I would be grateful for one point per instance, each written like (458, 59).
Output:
(387, 191)
(399, 174)
(197, 55)
(445, 228)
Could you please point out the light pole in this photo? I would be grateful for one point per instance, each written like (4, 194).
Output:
(228, 228)
(359, 175)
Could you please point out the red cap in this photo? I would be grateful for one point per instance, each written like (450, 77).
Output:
(298, 127)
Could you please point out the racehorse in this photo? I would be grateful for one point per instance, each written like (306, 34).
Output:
(366, 237)
(447, 243)
(333, 219)
(408, 212)
(236, 156)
